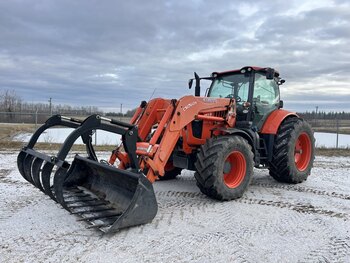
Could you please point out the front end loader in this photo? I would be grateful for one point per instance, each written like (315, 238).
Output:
(239, 124)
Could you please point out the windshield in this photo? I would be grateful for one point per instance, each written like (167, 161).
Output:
(231, 86)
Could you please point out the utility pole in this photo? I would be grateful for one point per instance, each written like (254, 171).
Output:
(50, 101)
(121, 111)
(36, 117)
(337, 140)
(316, 116)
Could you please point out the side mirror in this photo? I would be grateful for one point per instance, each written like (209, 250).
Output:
(270, 73)
(280, 105)
(190, 82)
(281, 81)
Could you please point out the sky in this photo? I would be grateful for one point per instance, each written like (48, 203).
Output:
(107, 53)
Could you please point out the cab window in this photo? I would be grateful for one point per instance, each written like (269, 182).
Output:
(231, 86)
(265, 90)
(265, 97)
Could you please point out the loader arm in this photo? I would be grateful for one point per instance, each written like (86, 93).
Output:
(179, 114)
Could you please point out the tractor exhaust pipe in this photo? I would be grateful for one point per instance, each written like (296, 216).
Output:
(197, 88)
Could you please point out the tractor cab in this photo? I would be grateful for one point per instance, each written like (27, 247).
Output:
(255, 90)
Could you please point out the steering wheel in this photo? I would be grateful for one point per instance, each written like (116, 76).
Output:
(232, 96)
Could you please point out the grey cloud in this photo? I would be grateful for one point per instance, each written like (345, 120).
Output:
(111, 52)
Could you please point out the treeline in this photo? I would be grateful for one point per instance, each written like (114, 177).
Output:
(129, 113)
(322, 115)
(10, 102)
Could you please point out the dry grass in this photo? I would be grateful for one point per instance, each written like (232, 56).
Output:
(7, 131)
(330, 126)
(333, 152)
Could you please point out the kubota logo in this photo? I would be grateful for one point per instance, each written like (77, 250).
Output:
(189, 105)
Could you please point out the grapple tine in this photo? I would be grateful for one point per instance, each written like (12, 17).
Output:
(36, 173)
(89, 199)
(77, 195)
(58, 181)
(100, 216)
(88, 204)
(45, 177)
(98, 226)
(28, 161)
(93, 210)
(20, 163)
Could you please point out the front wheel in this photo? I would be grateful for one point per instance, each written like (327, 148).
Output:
(293, 152)
(224, 167)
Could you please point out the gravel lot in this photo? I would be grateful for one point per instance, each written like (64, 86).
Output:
(272, 222)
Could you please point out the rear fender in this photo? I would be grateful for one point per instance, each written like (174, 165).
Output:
(274, 120)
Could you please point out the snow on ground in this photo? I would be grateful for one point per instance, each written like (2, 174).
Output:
(272, 222)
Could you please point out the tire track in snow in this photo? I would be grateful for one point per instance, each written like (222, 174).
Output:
(47, 247)
(303, 189)
(194, 201)
(10, 204)
(188, 199)
(335, 245)
(336, 250)
(298, 207)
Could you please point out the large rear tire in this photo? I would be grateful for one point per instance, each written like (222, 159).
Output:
(293, 152)
(224, 167)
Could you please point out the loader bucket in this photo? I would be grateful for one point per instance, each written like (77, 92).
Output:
(105, 197)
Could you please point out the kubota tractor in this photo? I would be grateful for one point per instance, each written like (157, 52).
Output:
(238, 125)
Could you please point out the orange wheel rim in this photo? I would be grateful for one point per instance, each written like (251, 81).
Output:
(302, 151)
(234, 169)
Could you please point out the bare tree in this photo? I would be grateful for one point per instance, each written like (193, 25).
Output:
(10, 101)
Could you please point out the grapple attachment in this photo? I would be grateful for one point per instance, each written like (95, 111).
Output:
(104, 196)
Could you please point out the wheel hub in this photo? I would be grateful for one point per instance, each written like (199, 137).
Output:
(302, 151)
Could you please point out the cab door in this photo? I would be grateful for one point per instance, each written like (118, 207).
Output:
(265, 98)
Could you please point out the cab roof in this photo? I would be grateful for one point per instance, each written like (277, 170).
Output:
(254, 68)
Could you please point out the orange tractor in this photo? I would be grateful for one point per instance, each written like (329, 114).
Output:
(238, 125)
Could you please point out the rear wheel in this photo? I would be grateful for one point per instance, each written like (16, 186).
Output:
(293, 152)
(224, 167)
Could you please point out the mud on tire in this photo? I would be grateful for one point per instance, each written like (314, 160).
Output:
(293, 151)
(224, 167)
